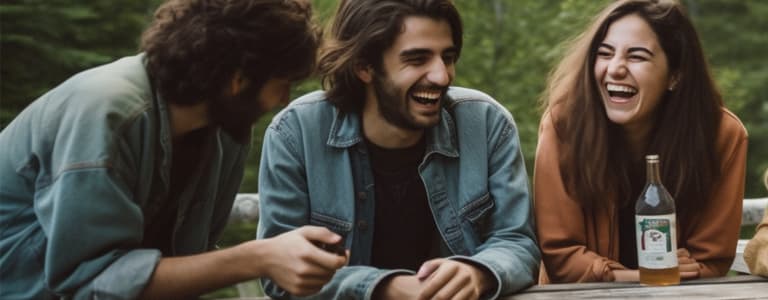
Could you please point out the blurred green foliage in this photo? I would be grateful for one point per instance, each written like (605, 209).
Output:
(510, 47)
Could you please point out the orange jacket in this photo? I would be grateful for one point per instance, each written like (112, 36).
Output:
(580, 245)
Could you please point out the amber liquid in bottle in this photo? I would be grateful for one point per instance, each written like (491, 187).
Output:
(655, 224)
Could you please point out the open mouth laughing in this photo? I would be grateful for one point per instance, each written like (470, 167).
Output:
(620, 93)
(427, 96)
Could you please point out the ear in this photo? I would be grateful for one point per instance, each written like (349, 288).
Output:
(365, 73)
(673, 80)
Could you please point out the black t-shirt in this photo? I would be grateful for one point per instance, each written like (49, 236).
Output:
(627, 237)
(187, 152)
(627, 229)
(404, 228)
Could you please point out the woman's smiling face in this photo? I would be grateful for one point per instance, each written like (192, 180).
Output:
(632, 72)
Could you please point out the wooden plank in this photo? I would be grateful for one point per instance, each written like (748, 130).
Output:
(733, 287)
(723, 291)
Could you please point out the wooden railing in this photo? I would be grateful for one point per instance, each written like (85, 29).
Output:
(246, 208)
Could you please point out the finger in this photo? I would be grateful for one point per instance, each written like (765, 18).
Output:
(689, 275)
(455, 284)
(428, 268)
(439, 278)
(304, 271)
(682, 252)
(689, 267)
(325, 260)
(685, 260)
(303, 286)
(319, 234)
(465, 294)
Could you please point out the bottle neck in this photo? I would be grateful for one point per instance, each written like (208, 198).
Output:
(652, 172)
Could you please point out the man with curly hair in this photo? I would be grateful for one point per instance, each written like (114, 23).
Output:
(116, 182)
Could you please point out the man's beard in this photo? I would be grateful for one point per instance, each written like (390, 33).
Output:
(392, 107)
(235, 114)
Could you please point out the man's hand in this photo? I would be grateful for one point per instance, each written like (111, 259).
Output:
(297, 265)
(449, 279)
(689, 267)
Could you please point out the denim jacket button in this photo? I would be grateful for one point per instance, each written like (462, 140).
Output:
(361, 196)
(362, 225)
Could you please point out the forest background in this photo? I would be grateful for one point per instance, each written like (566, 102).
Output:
(510, 47)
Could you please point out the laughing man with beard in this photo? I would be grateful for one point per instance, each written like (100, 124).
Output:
(425, 181)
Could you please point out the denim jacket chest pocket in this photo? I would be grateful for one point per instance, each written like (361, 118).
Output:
(477, 213)
(337, 225)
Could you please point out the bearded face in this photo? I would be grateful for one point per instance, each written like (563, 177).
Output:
(394, 103)
(236, 113)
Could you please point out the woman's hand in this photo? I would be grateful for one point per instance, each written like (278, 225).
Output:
(689, 267)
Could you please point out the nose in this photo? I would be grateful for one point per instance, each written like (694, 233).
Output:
(440, 73)
(617, 67)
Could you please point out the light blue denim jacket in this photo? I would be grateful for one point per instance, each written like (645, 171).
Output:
(315, 170)
(82, 170)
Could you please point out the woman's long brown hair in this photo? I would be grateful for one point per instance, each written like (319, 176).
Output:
(595, 157)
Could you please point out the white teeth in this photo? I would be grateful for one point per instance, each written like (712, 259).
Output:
(620, 88)
(427, 95)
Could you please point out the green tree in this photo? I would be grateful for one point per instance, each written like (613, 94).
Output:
(510, 48)
(733, 34)
(45, 41)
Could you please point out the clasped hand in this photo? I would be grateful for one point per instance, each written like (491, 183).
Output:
(438, 279)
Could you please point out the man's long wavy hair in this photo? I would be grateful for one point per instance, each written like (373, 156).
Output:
(595, 159)
(194, 47)
(361, 31)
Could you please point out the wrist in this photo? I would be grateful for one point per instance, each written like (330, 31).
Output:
(252, 258)
(381, 290)
(487, 282)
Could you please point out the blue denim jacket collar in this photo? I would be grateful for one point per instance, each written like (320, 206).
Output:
(346, 131)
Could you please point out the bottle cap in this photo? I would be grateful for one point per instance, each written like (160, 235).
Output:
(652, 158)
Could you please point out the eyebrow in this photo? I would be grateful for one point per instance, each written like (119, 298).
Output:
(423, 51)
(630, 50)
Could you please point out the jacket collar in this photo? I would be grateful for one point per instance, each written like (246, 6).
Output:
(347, 131)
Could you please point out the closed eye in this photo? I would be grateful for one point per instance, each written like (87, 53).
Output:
(604, 53)
(416, 60)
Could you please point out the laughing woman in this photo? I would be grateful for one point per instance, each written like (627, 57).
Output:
(635, 83)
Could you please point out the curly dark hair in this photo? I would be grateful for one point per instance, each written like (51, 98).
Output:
(194, 47)
(361, 31)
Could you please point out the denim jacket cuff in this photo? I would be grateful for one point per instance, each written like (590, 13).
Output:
(492, 293)
(126, 277)
(380, 277)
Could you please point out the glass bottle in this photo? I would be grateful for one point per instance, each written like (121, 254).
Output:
(656, 230)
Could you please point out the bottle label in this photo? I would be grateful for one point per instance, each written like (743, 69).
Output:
(656, 241)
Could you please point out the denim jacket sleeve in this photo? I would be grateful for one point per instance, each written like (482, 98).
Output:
(509, 249)
(284, 206)
(92, 222)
